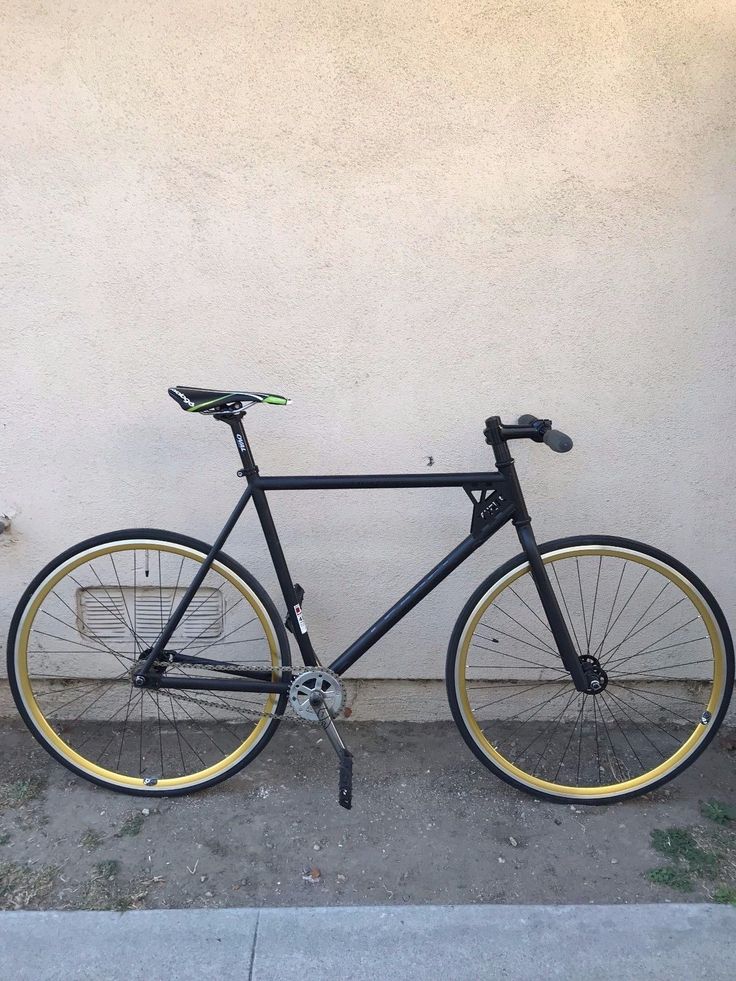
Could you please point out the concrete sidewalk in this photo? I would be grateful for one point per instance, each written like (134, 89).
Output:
(447, 943)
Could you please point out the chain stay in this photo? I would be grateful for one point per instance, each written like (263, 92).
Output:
(251, 713)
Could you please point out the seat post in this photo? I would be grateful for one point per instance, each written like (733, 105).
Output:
(235, 422)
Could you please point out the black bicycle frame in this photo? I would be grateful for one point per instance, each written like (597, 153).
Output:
(499, 501)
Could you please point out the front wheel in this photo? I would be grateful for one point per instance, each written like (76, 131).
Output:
(93, 614)
(656, 638)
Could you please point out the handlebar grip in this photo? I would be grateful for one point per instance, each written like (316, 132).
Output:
(557, 441)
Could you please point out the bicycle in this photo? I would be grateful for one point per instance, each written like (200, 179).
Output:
(585, 669)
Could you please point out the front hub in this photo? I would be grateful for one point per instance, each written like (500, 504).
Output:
(596, 676)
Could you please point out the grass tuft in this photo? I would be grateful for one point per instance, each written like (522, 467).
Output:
(725, 894)
(717, 811)
(91, 839)
(108, 869)
(672, 876)
(131, 826)
(679, 844)
(23, 886)
(21, 792)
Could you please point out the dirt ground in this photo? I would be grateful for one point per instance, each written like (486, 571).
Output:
(429, 825)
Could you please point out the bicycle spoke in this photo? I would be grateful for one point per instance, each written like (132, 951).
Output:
(595, 600)
(215, 642)
(662, 708)
(582, 606)
(645, 676)
(567, 744)
(564, 603)
(618, 725)
(87, 689)
(160, 593)
(533, 612)
(86, 647)
(638, 621)
(613, 607)
(495, 630)
(97, 599)
(125, 725)
(550, 725)
(597, 743)
(660, 694)
(538, 706)
(160, 734)
(514, 694)
(632, 594)
(524, 627)
(109, 649)
(173, 592)
(625, 707)
(515, 657)
(182, 705)
(125, 603)
(646, 650)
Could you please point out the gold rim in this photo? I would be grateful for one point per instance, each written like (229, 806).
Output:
(700, 732)
(67, 752)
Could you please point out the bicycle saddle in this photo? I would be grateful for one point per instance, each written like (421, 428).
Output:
(212, 400)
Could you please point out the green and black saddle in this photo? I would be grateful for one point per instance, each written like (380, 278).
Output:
(216, 400)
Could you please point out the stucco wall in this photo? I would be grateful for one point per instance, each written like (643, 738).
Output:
(405, 216)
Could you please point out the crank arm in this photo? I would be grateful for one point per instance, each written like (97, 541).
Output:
(345, 791)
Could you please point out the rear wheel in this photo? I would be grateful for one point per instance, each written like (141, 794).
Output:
(646, 625)
(93, 613)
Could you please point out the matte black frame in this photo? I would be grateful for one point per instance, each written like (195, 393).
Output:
(500, 501)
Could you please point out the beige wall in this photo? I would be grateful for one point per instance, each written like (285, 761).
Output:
(405, 216)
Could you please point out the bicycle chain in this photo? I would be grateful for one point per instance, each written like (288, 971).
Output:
(252, 713)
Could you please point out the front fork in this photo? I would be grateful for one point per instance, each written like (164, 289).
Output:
(556, 621)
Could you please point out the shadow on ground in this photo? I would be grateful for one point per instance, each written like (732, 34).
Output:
(429, 825)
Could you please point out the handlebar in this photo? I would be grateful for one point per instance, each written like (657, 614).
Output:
(556, 440)
(528, 427)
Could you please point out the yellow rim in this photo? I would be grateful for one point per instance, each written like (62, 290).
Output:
(609, 790)
(58, 744)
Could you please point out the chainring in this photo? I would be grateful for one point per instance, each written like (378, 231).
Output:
(321, 680)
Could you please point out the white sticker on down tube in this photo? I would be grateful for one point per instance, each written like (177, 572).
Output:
(300, 618)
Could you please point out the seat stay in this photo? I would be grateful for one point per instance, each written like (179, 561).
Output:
(174, 620)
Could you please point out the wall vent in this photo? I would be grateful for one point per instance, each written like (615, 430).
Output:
(108, 612)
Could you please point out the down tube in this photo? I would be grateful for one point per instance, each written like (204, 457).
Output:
(417, 593)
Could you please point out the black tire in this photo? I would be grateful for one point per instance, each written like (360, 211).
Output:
(455, 686)
(174, 539)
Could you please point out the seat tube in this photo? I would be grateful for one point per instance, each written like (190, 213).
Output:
(278, 558)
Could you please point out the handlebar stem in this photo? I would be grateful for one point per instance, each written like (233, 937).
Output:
(497, 433)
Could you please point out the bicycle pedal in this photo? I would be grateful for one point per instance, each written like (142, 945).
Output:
(299, 593)
(345, 795)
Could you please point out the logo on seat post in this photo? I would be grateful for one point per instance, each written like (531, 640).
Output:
(240, 441)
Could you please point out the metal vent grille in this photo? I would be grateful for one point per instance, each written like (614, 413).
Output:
(107, 612)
